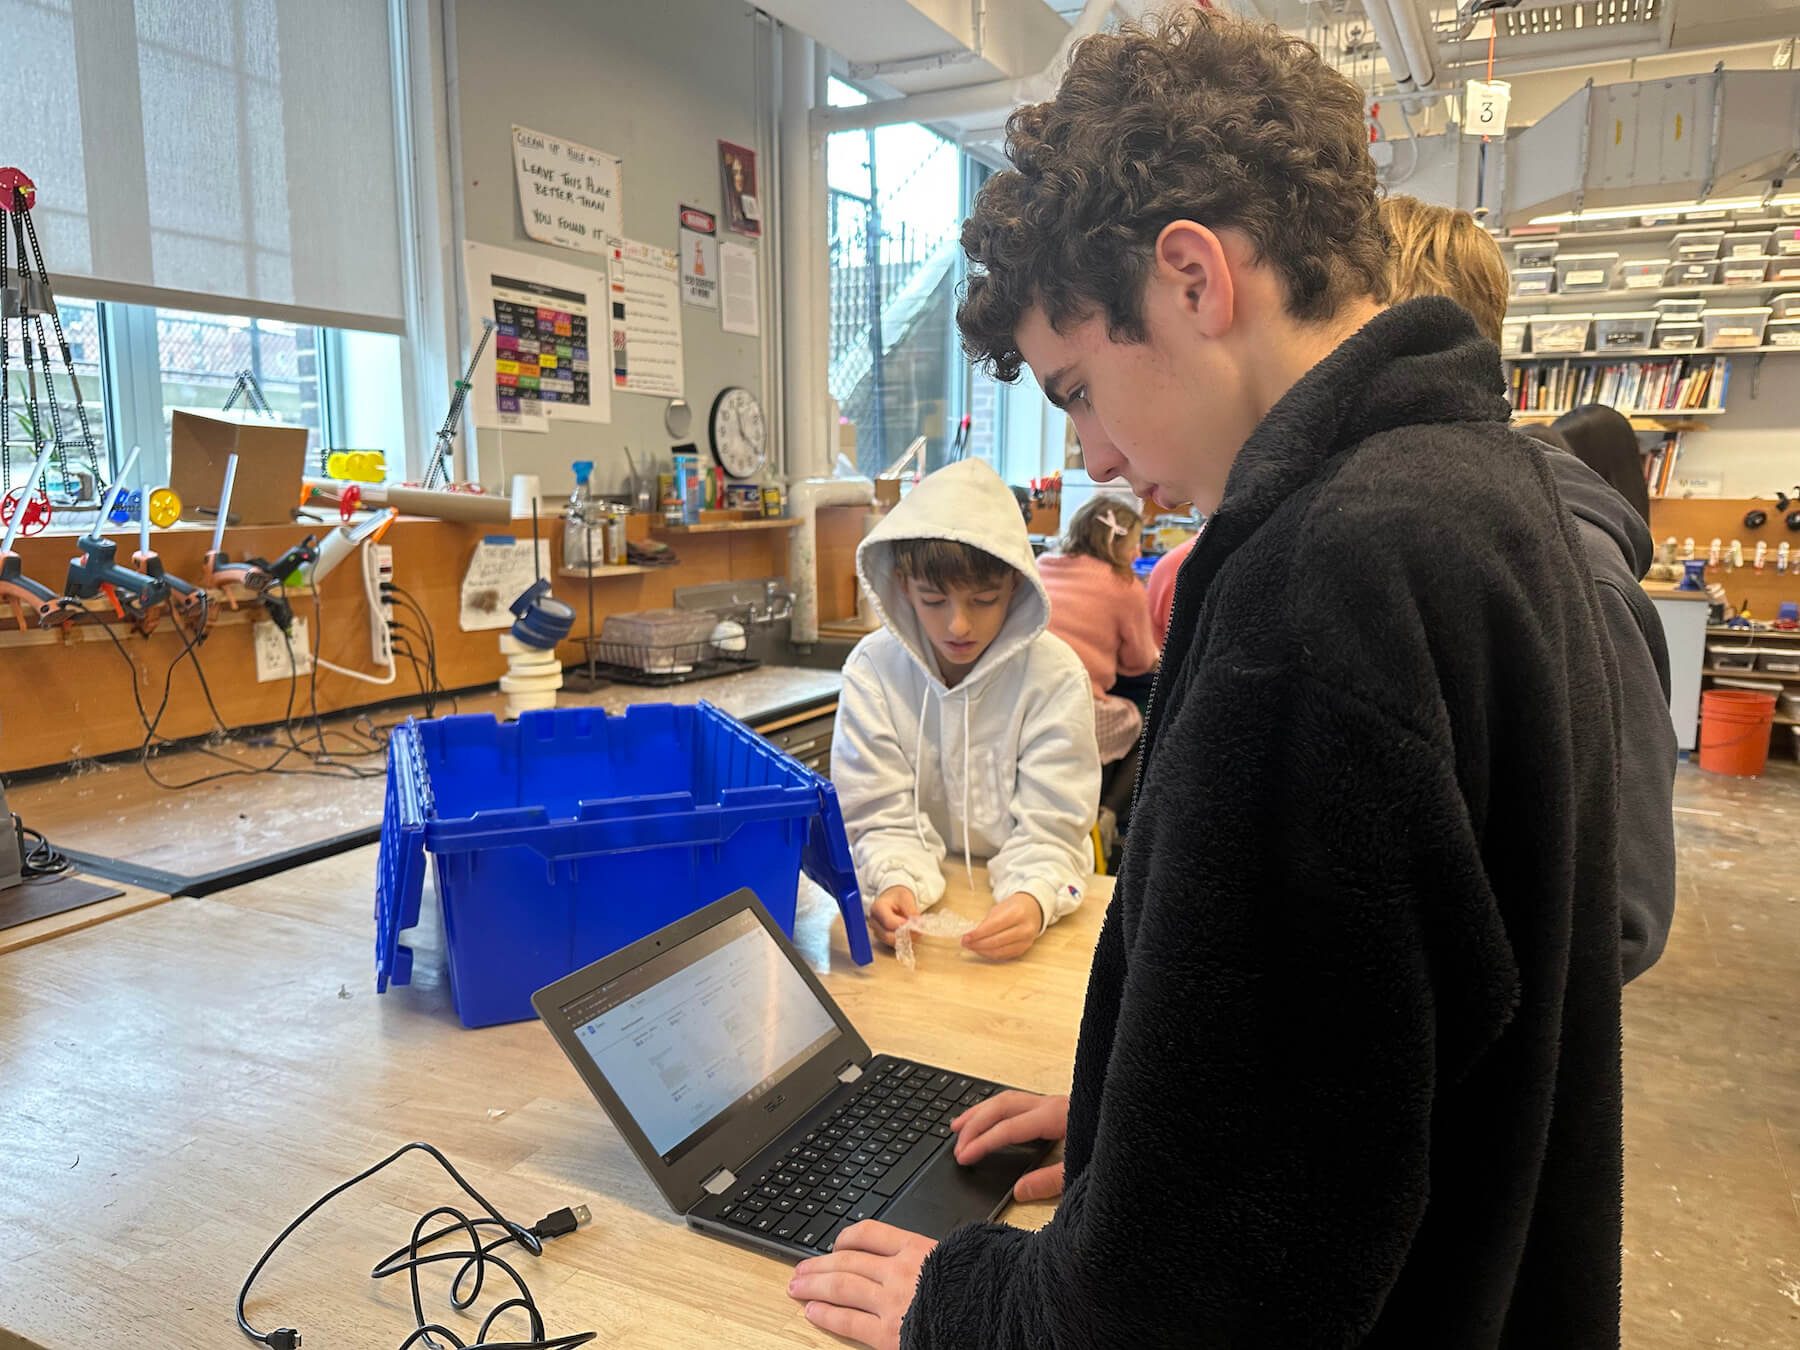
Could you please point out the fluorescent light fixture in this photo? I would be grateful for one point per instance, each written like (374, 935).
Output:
(1664, 209)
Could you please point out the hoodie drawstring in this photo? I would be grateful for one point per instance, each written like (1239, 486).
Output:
(968, 867)
(918, 767)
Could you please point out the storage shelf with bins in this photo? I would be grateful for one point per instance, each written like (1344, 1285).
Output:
(1642, 233)
(1656, 354)
(1587, 299)
(1777, 639)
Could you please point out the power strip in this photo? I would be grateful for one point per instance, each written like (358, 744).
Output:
(378, 571)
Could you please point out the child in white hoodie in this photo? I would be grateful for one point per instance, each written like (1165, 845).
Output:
(963, 724)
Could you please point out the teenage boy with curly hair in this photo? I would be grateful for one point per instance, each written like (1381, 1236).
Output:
(1349, 1069)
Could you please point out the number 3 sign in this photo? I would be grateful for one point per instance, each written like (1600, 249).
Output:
(1484, 108)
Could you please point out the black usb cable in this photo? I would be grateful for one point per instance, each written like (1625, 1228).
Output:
(476, 1259)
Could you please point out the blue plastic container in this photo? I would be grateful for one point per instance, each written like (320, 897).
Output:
(569, 834)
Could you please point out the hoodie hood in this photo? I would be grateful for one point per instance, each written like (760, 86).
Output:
(970, 504)
(1591, 498)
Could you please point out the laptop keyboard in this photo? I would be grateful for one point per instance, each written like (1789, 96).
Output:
(856, 1159)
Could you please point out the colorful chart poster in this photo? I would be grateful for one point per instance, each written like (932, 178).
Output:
(570, 195)
(548, 318)
(646, 320)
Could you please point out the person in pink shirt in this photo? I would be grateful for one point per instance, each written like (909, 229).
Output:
(1097, 607)
(1161, 587)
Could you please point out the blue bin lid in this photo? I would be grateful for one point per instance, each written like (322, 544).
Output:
(400, 867)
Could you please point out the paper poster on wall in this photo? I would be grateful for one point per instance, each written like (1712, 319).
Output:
(498, 573)
(737, 267)
(570, 195)
(538, 365)
(699, 250)
(646, 319)
(743, 208)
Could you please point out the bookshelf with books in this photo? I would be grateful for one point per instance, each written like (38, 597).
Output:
(1657, 387)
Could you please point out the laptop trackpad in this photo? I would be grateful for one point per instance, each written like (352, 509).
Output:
(947, 1195)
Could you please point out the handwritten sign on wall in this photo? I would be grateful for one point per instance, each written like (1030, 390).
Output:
(571, 195)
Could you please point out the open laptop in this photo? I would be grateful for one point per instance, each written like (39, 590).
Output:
(752, 1102)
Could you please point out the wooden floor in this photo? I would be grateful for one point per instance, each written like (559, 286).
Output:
(1712, 1081)
(116, 811)
(174, 1083)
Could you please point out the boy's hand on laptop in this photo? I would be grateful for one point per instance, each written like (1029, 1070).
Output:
(892, 907)
(1014, 1117)
(864, 1287)
(1009, 929)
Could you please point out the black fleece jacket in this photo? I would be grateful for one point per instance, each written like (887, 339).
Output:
(1349, 1068)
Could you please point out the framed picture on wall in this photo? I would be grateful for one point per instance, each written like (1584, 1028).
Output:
(743, 207)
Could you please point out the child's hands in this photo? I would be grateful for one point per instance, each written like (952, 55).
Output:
(892, 907)
(1009, 929)
(864, 1287)
(1014, 1117)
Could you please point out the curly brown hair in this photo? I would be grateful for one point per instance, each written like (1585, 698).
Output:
(1195, 116)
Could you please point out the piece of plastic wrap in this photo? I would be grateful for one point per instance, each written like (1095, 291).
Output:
(937, 923)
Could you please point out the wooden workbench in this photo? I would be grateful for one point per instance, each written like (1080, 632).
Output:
(177, 1084)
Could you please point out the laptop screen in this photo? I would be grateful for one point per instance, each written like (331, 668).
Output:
(713, 1022)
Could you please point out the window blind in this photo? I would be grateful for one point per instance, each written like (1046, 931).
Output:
(232, 155)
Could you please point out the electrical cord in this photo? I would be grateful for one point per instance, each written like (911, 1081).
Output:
(412, 1258)
(41, 859)
(237, 769)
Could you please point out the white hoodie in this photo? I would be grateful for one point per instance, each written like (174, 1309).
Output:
(1010, 750)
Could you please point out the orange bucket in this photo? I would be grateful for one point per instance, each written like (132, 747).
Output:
(1734, 731)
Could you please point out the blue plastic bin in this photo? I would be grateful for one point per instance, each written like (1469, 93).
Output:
(569, 834)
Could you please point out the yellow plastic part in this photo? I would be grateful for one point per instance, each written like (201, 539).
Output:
(357, 466)
(165, 508)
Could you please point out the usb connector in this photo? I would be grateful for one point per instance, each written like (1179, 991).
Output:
(561, 1222)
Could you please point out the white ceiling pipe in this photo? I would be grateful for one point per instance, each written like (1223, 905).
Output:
(1387, 37)
(973, 100)
(1416, 39)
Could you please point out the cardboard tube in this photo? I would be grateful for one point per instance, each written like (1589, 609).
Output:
(476, 506)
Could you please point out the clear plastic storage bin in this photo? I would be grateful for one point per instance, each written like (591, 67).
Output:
(1782, 333)
(1784, 270)
(1679, 309)
(1533, 280)
(1784, 240)
(1730, 656)
(1785, 306)
(1512, 336)
(1623, 332)
(1551, 333)
(1691, 274)
(1743, 271)
(1785, 661)
(1577, 272)
(1679, 334)
(1534, 253)
(1697, 245)
(1645, 274)
(1735, 327)
(661, 641)
(1750, 244)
